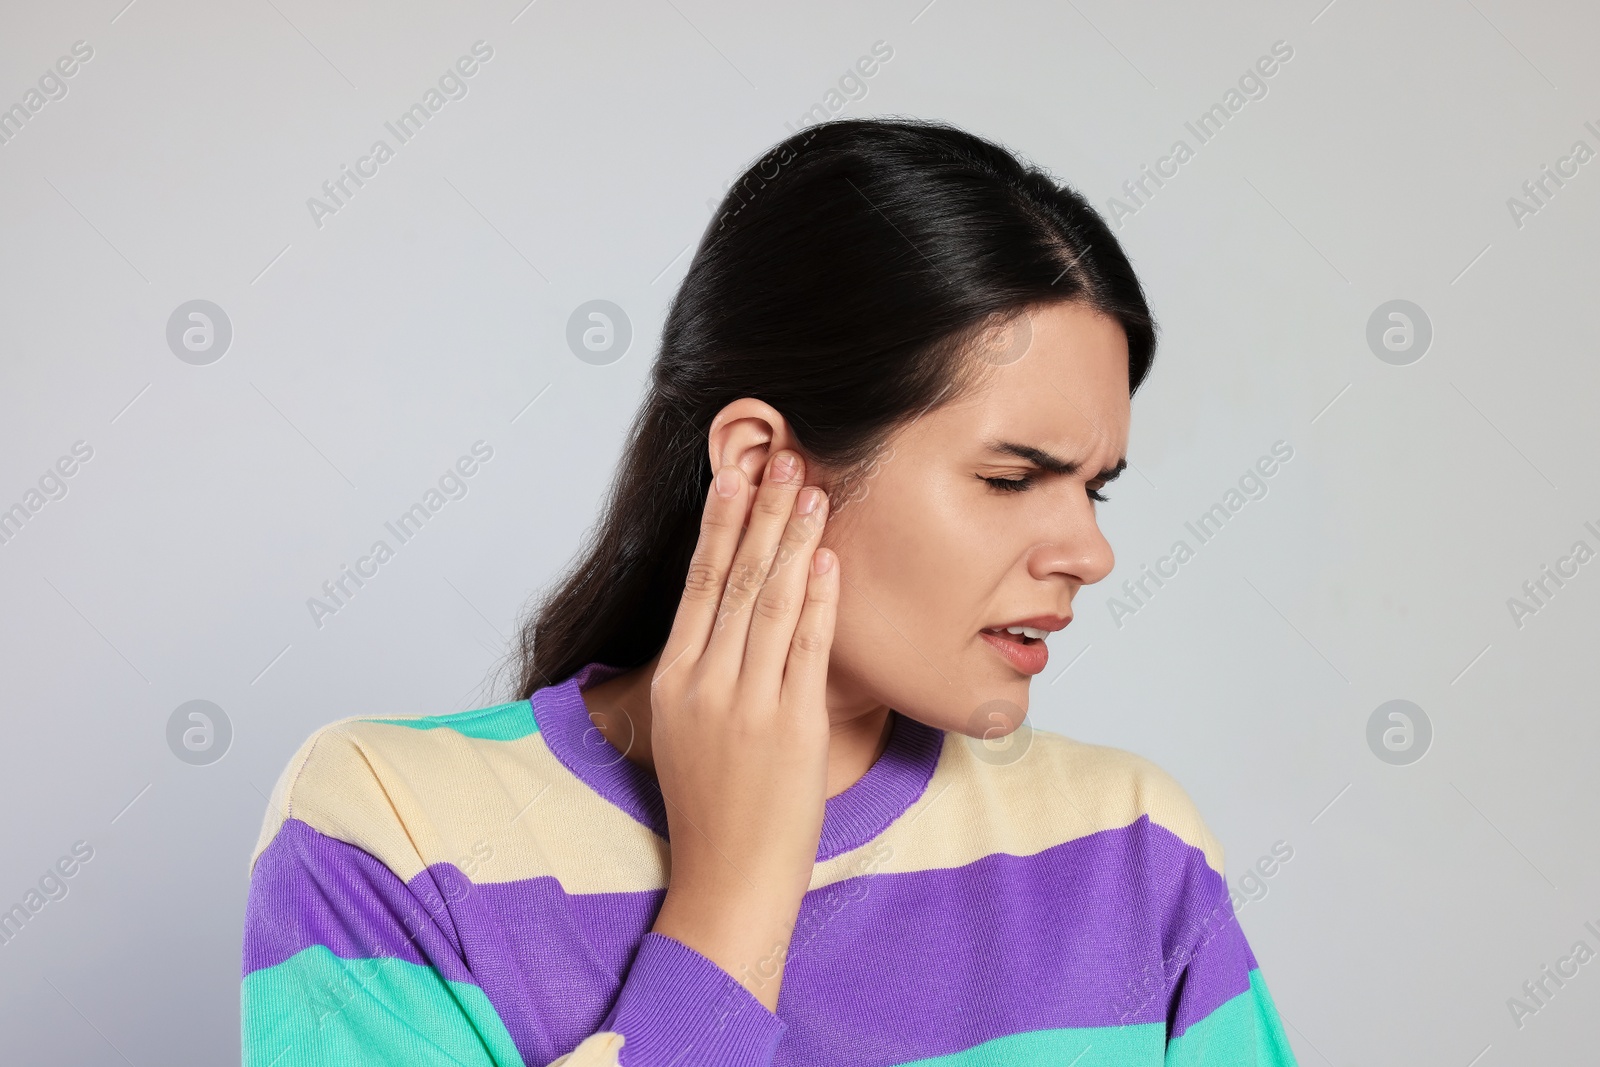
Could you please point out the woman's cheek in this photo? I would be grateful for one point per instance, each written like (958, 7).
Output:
(939, 577)
(894, 596)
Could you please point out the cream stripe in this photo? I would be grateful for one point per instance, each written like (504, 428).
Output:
(278, 802)
(1059, 790)
(508, 810)
(499, 810)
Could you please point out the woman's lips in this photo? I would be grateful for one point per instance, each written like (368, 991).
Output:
(1027, 656)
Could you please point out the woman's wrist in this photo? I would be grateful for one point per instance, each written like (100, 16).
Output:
(745, 933)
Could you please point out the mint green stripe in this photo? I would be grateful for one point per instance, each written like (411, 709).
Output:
(503, 722)
(1244, 1030)
(316, 1009)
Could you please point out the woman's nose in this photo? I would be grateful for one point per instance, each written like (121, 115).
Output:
(1078, 551)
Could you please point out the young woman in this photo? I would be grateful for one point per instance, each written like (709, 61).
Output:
(767, 795)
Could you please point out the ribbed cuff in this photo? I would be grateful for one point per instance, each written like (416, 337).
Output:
(679, 1008)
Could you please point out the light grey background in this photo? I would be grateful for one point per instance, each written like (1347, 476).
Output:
(431, 310)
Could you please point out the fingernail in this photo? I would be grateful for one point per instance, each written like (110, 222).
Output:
(822, 562)
(784, 465)
(727, 481)
(808, 501)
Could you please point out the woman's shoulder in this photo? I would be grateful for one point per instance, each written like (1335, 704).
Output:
(1122, 786)
(478, 787)
(1061, 787)
(367, 779)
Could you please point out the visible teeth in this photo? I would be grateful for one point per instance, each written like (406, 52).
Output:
(1028, 631)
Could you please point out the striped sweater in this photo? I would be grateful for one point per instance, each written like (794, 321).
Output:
(478, 889)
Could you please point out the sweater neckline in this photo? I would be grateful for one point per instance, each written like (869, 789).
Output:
(891, 785)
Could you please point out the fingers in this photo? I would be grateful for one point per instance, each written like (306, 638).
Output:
(769, 515)
(805, 679)
(777, 607)
(721, 525)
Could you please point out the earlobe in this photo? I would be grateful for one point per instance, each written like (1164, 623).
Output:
(745, 434)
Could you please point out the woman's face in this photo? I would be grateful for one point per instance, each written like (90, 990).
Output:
(978, 516)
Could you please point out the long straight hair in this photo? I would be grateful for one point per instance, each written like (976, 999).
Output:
(841, 281)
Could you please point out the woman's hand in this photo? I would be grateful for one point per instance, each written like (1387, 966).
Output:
(739, 724)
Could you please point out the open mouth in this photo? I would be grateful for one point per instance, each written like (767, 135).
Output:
(1022, 635)
(1022, 647)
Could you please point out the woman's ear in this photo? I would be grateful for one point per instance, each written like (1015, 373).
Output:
(745, 434)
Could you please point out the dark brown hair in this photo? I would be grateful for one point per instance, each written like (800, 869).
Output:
(839, 282)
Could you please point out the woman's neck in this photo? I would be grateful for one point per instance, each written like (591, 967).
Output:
(620, 710)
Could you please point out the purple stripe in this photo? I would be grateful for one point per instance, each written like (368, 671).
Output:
(550, 963)
(883, 968)
(891, 785)
(310, 889)
(927, 963)
(577, 743)
(680, 1008)
(888, 968)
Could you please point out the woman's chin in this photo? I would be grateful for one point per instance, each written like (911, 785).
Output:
(974, 692)
(995, 705)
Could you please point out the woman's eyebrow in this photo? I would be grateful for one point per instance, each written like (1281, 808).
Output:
(1054, 464)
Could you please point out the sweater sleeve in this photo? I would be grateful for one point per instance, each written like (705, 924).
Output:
(1219, 1009)
(677, 1007)
(347, 963)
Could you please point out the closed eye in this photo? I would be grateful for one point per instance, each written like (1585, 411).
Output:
(1010, 485)
(1025, 482)
(1053, 464)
